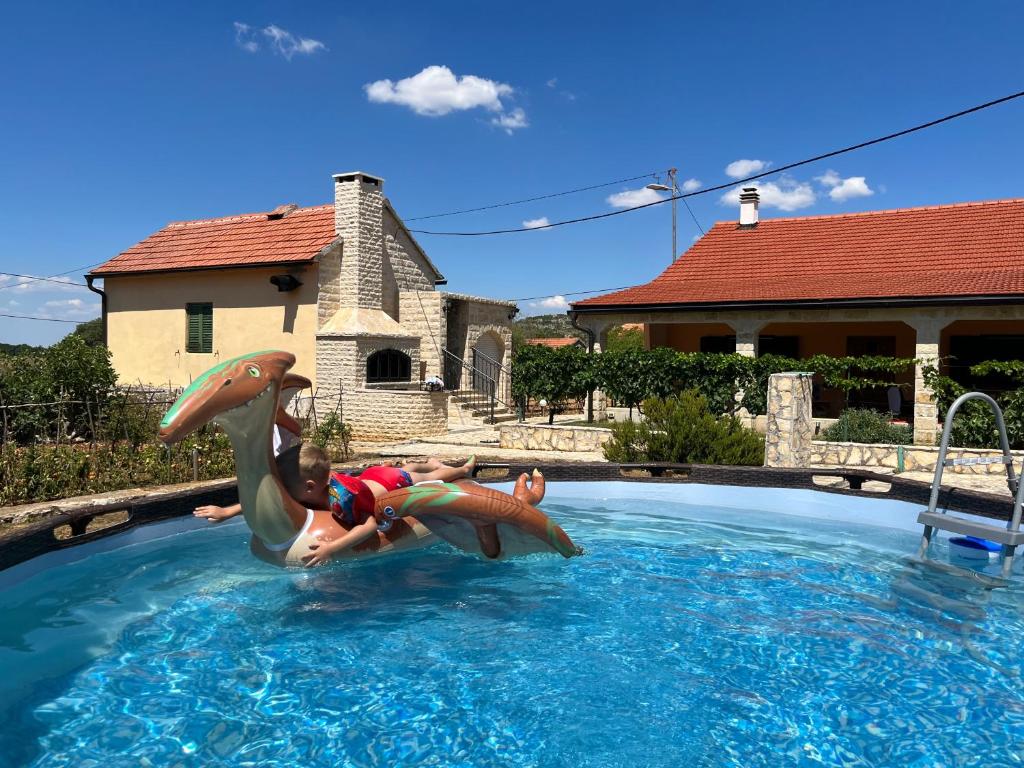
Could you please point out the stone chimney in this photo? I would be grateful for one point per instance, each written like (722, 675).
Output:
(359, 220)
(749, 200)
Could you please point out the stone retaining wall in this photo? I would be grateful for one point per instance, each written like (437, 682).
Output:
(542, 437)
(917, 458)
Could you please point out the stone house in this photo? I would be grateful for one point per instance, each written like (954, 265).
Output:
(343, 286)
(940, 283)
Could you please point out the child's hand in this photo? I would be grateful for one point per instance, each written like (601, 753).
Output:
(213, 513)
(321, 553)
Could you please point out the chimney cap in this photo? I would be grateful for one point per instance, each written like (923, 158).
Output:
(362, 175)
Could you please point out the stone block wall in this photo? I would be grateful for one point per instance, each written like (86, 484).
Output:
(394, 414)
(358, 219)
(789, 428)
(542, 437)
(404, 268)
(422, 315)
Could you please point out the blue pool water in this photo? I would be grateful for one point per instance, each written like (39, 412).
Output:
(703, 627)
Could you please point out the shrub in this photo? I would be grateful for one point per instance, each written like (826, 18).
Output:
(682, 429)
(557, 375)
(334, 436)
(862, 425)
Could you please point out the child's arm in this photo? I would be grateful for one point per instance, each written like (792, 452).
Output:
(216, 514)
(324, 551)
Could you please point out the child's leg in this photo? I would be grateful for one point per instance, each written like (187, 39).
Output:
(429, 465)
(444, 473)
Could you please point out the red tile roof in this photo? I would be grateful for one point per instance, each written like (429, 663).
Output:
(233, 241)
(565, 342)
(962, 250)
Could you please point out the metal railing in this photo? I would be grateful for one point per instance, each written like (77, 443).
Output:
(479, 388)
(1009, 537)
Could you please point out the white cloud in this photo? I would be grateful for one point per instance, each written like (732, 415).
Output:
(281, 41)
(436, 91)
(631, 198)
(548, 305)
(786, 195)
(738, 169)
(553, 82)
(287, 44)
(71, 309)
(511, 121)
(854, 186)
(691, 185)
(534, 223)
(245, 37)
(829, 179)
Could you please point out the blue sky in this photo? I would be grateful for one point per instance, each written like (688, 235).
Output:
(118, 118)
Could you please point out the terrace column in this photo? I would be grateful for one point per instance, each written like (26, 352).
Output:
(926, 351)
(747, 332)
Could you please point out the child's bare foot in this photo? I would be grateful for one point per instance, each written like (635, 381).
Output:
(469, 466)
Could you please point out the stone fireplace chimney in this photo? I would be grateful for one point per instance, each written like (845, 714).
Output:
(749, 200)
(359, 220)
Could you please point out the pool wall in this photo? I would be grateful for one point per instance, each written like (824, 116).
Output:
(42, 537)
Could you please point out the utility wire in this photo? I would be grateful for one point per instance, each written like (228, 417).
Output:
(47, 319)
(44, 279)
(531, 199)
(574, 293)
(730, 184)
(30, 278)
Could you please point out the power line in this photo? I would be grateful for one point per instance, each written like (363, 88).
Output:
(736, 182)
(47, 319)
(44, 279)
(531, 199)
(30, 278)
(575, 293)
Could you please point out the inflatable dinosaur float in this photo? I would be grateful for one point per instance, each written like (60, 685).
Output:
(242, 396)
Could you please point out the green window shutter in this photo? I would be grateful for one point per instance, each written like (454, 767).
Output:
(199, 327)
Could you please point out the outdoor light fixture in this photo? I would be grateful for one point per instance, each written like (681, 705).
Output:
(285, 283)
(673, 189)
(513, 312)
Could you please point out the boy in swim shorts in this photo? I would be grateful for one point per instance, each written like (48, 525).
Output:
(306, 473)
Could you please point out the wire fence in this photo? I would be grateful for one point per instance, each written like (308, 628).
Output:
(106, 441)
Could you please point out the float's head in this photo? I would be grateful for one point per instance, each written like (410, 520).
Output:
(233, 386)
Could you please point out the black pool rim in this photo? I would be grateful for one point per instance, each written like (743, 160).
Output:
(40, 538)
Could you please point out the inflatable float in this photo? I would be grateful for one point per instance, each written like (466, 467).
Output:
(243, 397)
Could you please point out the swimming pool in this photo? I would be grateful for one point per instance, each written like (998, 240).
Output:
(704, 626)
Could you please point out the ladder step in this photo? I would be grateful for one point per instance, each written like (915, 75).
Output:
(995, 533)
(972, 461)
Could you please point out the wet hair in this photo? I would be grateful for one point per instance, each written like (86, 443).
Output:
(301, 463)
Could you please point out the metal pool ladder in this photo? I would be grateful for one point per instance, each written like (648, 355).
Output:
(1009, 537)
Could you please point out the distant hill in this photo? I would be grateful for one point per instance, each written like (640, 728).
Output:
(546, 327)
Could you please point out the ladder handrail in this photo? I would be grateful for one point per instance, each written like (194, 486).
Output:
(947, 428)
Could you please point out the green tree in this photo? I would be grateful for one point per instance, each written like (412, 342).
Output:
(620, 339)
(91, 331)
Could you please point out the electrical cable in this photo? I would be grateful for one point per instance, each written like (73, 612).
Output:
(531, 199)
(706, 190)
(47, 319)
(44, 279)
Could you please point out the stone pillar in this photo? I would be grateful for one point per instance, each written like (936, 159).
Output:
(746, 339)
(926, 351)
(600, 402)
(790, 430)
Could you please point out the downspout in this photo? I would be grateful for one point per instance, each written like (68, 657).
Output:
(573, 316)
(103, 300)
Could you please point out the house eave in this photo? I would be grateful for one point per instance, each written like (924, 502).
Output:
(263, 265)
(857, 303)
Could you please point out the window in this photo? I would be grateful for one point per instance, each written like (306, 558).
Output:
(199, 327)
(871, 346)
(388, 365)
(720, 344)
(787, 346)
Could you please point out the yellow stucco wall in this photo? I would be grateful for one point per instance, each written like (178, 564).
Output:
(146, 321)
